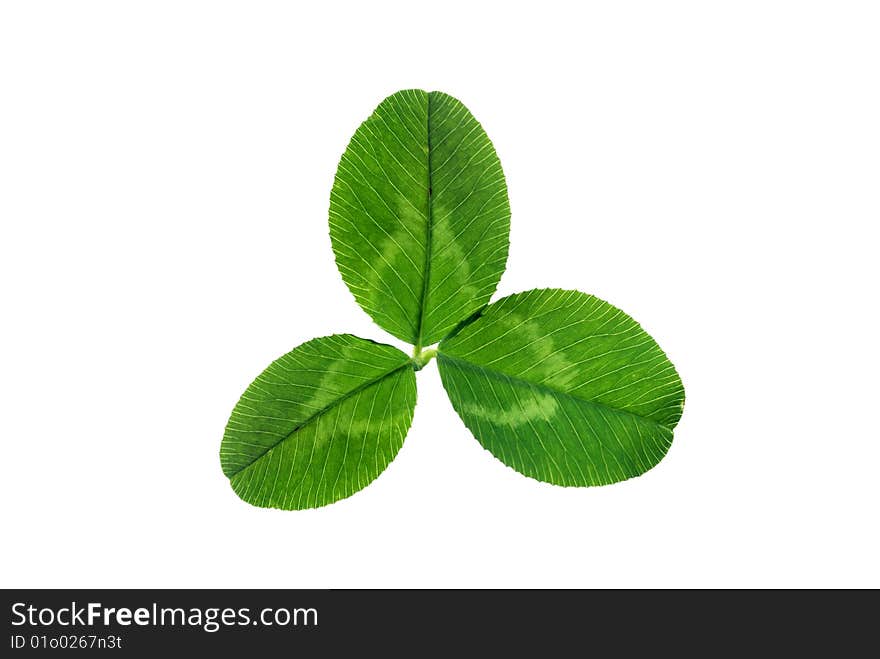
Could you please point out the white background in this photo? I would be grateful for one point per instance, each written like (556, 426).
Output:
(165, 169)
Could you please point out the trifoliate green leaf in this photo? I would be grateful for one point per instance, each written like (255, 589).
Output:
(419, 216)
(320, 423)
(563, 387)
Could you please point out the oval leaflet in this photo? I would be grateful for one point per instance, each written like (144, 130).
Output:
(320, 423)
(563, 387)
(419, 216)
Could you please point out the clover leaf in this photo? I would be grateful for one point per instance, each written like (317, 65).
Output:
(559, 385)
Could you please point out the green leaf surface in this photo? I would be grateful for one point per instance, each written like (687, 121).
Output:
(563, 387)
(419, 216)
(320, 423)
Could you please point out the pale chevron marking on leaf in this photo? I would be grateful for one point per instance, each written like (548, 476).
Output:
(539, 406)
(479, 213)
(542, 339)
(365, 432)
(463, 271)
(526, 327)
(369, 266)
(332, 435)
(550, 390)
(400, 220)
(522, 321)
(385, 248)
(535, 433)
(337, 400)
(313, 444)
(353, 378)
(613, 417)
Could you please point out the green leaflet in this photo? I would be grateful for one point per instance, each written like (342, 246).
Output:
(563, 387)
(419, 216)
(320, 423)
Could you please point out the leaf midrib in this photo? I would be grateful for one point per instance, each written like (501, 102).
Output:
(482, 369)
(429, 230)
(322, 411)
